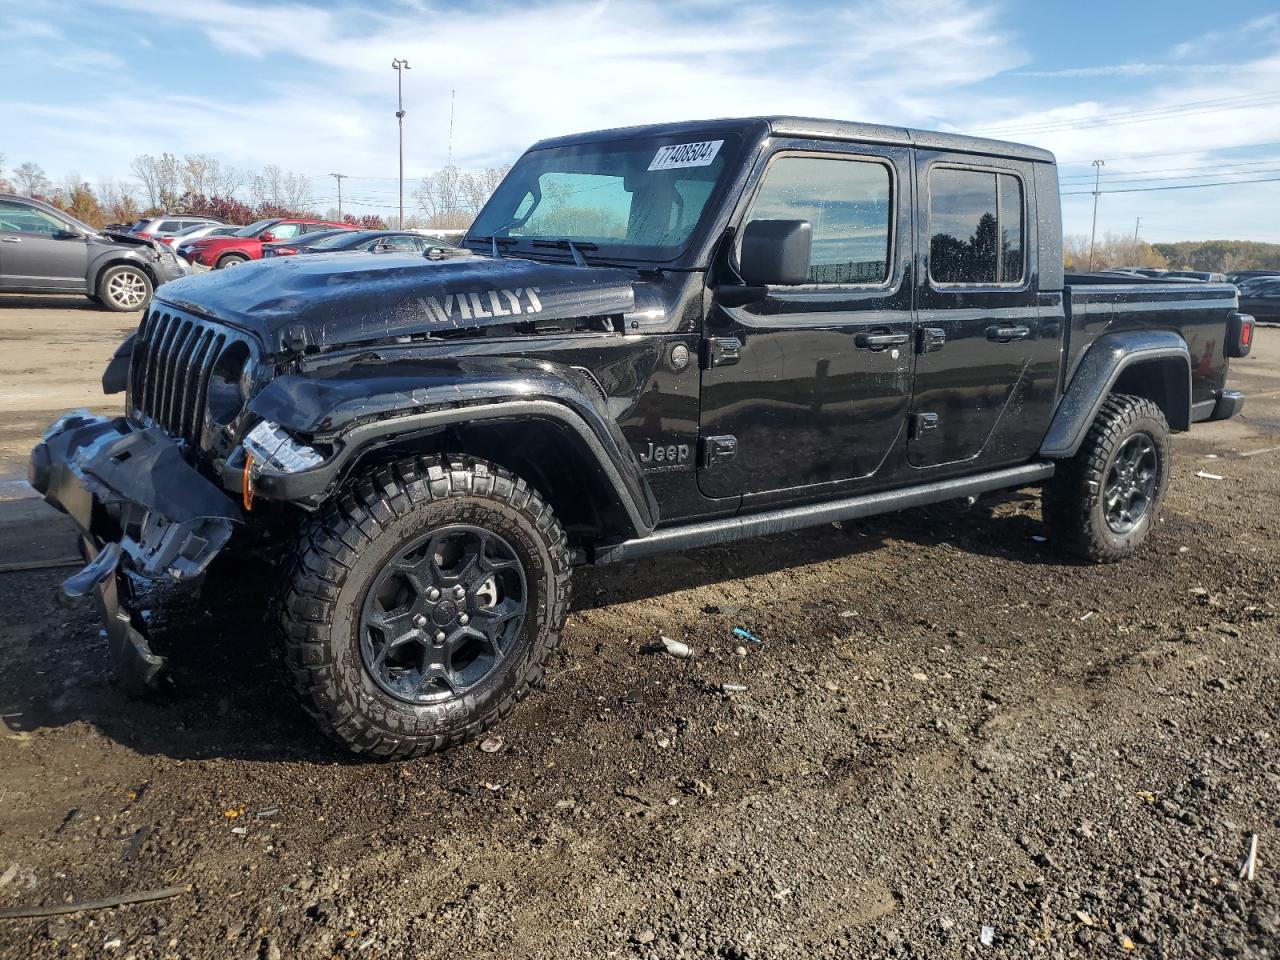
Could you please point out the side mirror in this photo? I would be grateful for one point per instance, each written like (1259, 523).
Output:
(383, 248)
(776, 252)
(267, 237)
(66, 235)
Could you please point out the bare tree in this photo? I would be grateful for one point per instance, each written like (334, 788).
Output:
(161, 178)
(227, 180)
(445, 198)
(198, 172)
(30, 178)
(5, 186)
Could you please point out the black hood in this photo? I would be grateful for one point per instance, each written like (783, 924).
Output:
(342, 298)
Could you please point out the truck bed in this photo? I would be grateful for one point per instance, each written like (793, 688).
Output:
(1099, 303)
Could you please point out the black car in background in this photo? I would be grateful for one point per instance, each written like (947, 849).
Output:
(43, 250)
(1261, 298)
(365, 241)
(288, 248)
(1240, 276)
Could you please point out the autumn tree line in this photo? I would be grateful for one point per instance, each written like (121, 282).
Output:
(201, 185)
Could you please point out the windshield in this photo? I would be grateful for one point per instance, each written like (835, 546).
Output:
(631, 199)
(341, 238)
(253, 229)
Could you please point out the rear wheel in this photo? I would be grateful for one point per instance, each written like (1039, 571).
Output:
(1103, 502)
(124, 288)
(424, 604)
(230, 260)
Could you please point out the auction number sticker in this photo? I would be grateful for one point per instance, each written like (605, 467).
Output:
(677, 155)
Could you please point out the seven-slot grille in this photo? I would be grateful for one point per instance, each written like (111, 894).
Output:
(173, 361)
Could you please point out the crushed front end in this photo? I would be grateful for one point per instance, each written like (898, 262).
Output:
(140, 488)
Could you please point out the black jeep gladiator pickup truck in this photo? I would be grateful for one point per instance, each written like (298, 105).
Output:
(653, 339)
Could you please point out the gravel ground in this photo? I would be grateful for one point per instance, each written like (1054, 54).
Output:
(950, 744)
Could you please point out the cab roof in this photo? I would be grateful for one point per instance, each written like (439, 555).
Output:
(810, 128)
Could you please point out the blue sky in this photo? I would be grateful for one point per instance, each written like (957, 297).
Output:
(1169, 94)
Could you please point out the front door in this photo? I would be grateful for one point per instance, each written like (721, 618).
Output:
(985, 376)
(32, 257)
(810, 385)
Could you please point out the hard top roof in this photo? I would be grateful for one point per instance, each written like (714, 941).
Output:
(817, 129)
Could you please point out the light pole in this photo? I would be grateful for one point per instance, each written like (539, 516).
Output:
(399, 66)
(338, 177)
(1097, 180)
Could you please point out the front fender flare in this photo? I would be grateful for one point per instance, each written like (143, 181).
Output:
(1097, 373)
(357, 414)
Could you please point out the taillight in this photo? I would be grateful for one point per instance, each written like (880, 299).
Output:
(145, 236)
(1239, 335)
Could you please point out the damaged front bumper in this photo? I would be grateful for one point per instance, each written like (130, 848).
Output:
(141, 508)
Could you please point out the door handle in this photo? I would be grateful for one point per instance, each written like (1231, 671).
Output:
(878, 341)
(10, 239)
(1007, 334)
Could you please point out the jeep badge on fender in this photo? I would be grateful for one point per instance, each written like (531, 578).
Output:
(690, 352)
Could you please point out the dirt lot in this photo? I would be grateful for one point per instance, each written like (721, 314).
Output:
(945, 729)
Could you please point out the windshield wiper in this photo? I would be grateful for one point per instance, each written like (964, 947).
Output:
(574, 248)
(493, 240)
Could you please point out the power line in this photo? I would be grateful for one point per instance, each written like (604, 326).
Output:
(1185, 186)
(1198, 176)
(1173, 153)
(1203, 166)
(1188, 109)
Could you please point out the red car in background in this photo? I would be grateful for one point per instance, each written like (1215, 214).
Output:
(215, 253)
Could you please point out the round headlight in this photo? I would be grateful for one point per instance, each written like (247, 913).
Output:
(229, 384)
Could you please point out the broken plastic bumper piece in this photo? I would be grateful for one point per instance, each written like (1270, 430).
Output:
(141, 508)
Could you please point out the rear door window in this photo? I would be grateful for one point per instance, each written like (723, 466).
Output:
(847, 204)
(976, 227)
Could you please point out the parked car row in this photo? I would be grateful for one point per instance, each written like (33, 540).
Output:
(1260, 296)
(43, 250)
(362, 241)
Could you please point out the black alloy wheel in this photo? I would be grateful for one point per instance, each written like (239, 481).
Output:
(1132, 482)
(442, 614)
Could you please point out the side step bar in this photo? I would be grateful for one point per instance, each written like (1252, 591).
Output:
(729, 529)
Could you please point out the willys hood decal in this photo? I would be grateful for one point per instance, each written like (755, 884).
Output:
(331, 299)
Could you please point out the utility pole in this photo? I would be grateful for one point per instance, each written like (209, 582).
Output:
(1136, 224)
(339, 177)
(1097, 180)
(399, 66)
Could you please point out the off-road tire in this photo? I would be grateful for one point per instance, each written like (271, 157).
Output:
(1073, 500)
(336, 559)
(124, 288)
(230, 260)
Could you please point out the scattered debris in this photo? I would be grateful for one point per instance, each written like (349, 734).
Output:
(727, 609)
(1039, 539)
(1084, 918)
(988, 936)
(747, 635)
(921, 676)
(733, 688)
(267, 812)
(676, 648)
(1205, 475)
(240, 831)
(1088, 615)
(1127, 944)
(1250, 864)
(234, 812)
(848, 614)
(739, 651)
(8, 875)
(491, 744)
(54, 909)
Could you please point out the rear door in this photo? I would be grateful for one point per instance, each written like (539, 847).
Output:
(987, 367)
(810, 385)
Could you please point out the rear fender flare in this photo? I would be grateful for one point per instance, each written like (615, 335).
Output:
(1102, 366)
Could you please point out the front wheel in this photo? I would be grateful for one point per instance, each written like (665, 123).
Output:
(424, 603)
(124, 288)
(1103, 502)
(230, 260)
